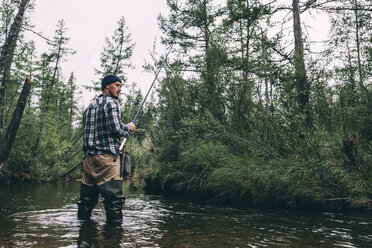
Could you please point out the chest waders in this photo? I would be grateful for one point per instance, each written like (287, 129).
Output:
(113, 201)
(101, 176)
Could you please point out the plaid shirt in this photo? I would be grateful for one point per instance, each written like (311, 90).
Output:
(103, 127)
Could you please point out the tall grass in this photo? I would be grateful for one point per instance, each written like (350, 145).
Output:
(208, 170)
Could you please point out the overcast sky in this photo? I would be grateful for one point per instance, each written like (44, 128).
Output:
(88, 22)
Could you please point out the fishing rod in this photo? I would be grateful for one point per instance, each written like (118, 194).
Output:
(81, 163)
(142, 103)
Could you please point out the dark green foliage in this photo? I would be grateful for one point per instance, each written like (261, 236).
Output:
(210, 171)
(238, 130)
(48, 137)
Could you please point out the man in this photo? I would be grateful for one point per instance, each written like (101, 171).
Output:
(102, 131)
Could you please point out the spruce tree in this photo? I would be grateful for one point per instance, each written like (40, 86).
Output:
(50, 84)
(191, 27)
(116, 55)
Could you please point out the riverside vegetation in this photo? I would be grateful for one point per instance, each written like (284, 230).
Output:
(245, 112)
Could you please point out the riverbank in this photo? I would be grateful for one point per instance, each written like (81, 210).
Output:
(229, 196)
(208, 172)
(316, 188)
(211, 173)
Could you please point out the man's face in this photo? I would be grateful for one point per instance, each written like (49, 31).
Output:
(114, 89)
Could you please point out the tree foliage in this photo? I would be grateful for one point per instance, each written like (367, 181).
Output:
(249, 116)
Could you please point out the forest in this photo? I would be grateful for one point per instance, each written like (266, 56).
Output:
(247, 110)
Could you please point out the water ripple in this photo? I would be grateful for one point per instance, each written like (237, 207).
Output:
(154, 221)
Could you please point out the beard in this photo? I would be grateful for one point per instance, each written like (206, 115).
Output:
(114, 96)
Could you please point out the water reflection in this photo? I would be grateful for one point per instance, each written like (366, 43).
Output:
(45, 216)
(90, 235)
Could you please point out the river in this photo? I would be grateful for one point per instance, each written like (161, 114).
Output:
(44, 215)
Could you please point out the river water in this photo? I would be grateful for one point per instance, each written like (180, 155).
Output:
(44, 215)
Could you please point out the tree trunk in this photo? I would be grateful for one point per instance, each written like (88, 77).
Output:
(7, 51)
(299, 63)
(3, 102)
(44, 112)
(13, 33)
(115, 72)
(358, 46)
(53, 81)
(264, 58)
(7, 142)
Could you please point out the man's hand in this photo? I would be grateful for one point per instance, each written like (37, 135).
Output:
(132, 126)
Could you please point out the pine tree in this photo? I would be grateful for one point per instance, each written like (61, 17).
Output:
(350, 47)
(116, 55)
(247, 48)
(50, 91)
(191, 28)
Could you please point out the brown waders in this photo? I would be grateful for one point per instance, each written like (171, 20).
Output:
(101, 176)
